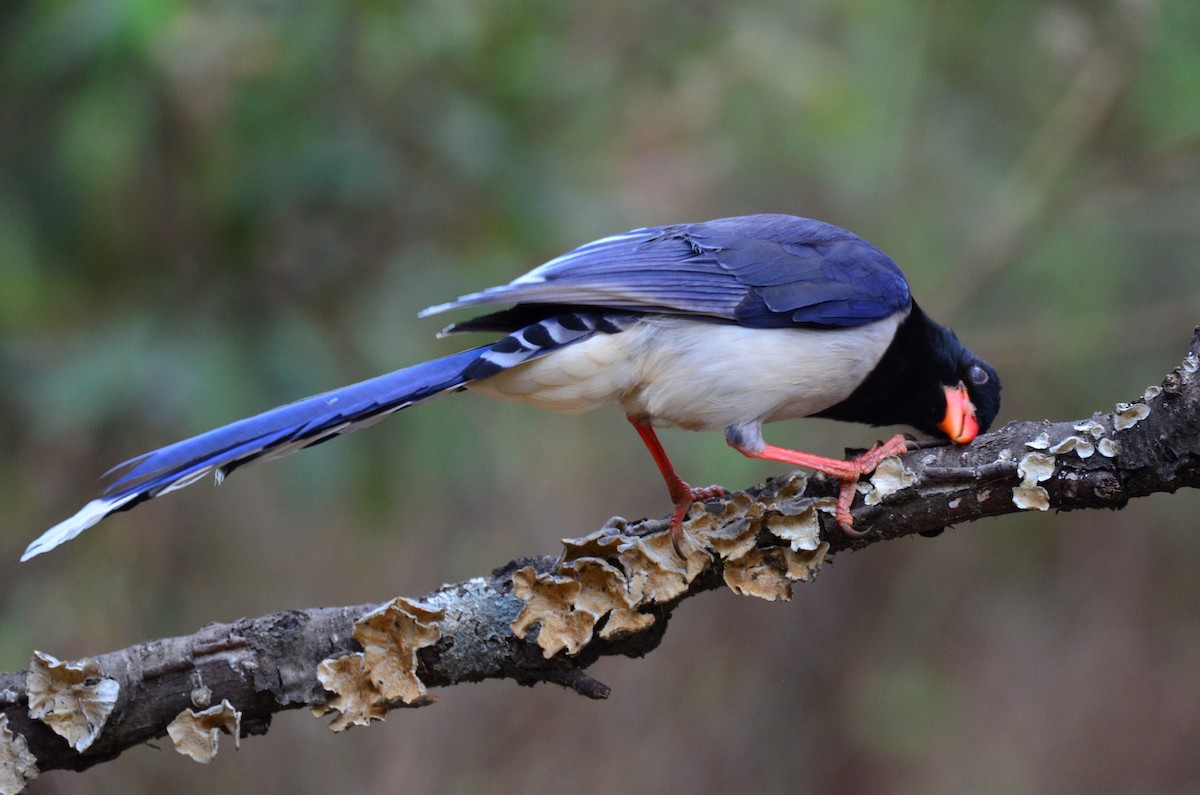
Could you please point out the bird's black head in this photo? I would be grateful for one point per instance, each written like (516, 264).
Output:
(969, 388)
(929, 380)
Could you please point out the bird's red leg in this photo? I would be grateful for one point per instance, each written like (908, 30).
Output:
(681, 493)
(847, 471)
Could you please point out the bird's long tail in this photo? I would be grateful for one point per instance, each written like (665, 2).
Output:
(269, 435)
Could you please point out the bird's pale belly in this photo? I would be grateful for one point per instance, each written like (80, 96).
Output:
(700, 375)
(571, 380)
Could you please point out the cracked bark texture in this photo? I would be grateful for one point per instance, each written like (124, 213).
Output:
(268, 664)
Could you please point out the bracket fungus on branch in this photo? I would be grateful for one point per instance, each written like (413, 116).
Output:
(17, 765)
(1033, 469)
(197, 734)
(366, 684)
(618, 579)
(610, 592)
(73, 699)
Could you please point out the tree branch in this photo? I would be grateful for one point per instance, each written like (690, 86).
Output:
(547, 619)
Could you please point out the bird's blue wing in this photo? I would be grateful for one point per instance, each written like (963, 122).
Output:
(760, 270)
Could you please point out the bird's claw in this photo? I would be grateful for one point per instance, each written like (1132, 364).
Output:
(865, 464)
(691, 495)
(706, 493)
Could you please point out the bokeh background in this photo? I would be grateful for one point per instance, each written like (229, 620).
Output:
(210, 208)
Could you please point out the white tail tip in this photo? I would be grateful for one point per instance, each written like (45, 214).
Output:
(64, 531)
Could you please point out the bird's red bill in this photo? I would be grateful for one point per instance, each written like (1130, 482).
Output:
(959, 423)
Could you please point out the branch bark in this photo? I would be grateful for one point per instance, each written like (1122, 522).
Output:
(546, 619)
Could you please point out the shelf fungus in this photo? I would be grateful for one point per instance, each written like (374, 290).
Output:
(1129, 414)
(73, 699)
(889, 477)
(607, 579)
(197, 734)
(1091, 434)
(769, 573)
(1079, 445)
(558, 603)
(384, 674)
(1033, 469)
(1042, 442)
(17, 765)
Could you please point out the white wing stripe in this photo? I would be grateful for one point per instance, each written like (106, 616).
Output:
(536, 275)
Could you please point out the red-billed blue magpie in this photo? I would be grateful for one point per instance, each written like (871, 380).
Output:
(726, 324)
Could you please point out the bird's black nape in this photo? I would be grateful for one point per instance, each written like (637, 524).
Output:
(906, 387)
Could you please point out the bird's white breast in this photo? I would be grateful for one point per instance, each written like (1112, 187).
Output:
(701, 375)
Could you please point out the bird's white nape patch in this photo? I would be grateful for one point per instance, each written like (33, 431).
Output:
(64, 531)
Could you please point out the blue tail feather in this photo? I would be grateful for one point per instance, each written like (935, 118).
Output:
(306, 422)
(272, 434)
(302, 420)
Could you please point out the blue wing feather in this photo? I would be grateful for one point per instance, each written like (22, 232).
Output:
(758, 270)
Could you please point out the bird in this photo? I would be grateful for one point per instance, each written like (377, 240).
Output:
(726, 324)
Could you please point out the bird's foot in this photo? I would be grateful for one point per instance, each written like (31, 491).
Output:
(681, 493)
(684, 495)
(846, 471)
(855, 468)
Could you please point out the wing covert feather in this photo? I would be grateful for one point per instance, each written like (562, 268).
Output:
(760, 271)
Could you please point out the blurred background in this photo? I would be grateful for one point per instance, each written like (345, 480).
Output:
(211, 208)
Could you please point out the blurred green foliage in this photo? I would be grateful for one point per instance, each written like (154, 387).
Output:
(209, 208)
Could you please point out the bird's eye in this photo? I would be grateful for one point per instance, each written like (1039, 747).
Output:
(977, 375)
